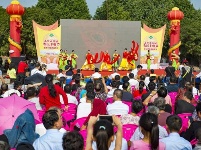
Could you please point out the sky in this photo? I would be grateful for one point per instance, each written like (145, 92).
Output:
(93, 4)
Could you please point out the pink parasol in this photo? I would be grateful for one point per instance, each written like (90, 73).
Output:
(11, 107)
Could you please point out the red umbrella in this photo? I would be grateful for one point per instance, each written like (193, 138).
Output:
(11, 107)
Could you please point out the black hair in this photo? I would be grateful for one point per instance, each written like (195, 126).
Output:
(198, 108)
(11, 66)
(50, 118)
(162, 92)
(141, 86)
(139, 66)
(90, 96)
(173, 79)
(149, 123)
(117, 77)
(4, 87)
(4, 145)
(142, 77)
(24, 146)
(73, 50)
(67, 88)
(188, 95)
(131, 75)
(78, 70)
(73, 140)
(151, 86)
(96, 70)
(170, 63)
(98, 87)
(37, 64)
(152, 78)
(89, 87)
(51, 89)
(114, 83)
(152, 71)
(118, 93)
(125, 85)
(17, 84)
(125, 79)
(103, 131)
(31, 91)
(62, 81)
(68, 62)
(74, 87)
(60, 70)
(198, 134)
(174, 123)
(137, 106)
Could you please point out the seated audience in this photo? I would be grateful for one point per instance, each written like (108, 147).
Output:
(52, 139)
(172, 87)
(198, 137)
(96, 74)
(114, 86)
(138, 135)
(25, 146)
(31, 96)
(137, 93)
(8, 92)
(127, 96)
(117, 107)
(146, 81)
(174, 141)
(117, 78)
(73, 140)
(133, 82)
(71, 99)
(190, 132)
(184, 105)
(133, 117)
(84, 109)
(149, 127)
(152, 73)
(100, 135)
(61, 74)
(160, 104)
(101, 89)
(151, 87)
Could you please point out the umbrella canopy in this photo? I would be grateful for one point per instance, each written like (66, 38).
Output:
(36, 78)
(11, 107)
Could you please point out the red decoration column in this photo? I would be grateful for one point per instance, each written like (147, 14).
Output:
(175, 16)
(15, 10)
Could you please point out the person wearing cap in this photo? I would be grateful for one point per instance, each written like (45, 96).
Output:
(73, 57)
(124, 62)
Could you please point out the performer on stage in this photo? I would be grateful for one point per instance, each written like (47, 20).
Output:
(148, 61)
(174, 58)
(131, 61)
(106, 62)
(124, 62)
(116, 64)
(89, 64)
(62, 59)
(73, 57)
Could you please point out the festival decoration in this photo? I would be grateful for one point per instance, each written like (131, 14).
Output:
(175, 16)
(15, 10)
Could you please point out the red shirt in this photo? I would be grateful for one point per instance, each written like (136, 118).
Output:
(48, 101)
(137, 93)
(21, 67)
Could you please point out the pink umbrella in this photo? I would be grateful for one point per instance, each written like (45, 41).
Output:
(11, 107)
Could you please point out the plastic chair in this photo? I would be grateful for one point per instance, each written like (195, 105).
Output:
(67, 117)
(129, 105)
(109, 100)
(40, 115)
(78, 123)
(185, 118)
(196, 97)
(173, 96)
(194, 142)
(128, 131)
(132, 88)
(84, 135)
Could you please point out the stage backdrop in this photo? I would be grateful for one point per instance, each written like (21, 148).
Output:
(152, 40)
(97, 36)
(48, 44)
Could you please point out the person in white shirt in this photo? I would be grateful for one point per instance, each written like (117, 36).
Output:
(31, 96)
(36, 70)
(71, 99)
(132, 81)
(61, 74)
(136, 70)
(113, 75)
(96, 75)
(84, 109)
(114, 86)
(117, 107)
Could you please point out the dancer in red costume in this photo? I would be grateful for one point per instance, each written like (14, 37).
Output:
(89, 64)
(106, 62)
(124, 62)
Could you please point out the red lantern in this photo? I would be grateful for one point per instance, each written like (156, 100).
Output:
(15, 8)
(175, 14)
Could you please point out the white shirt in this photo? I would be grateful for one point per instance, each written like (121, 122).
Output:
(117, 108)
(72, 99)
(195, 91)
(96, 75)
(112, 76)
(41, 130)
(83, 110)
(135, 72)
(36, 101)
(112, 146)
(133, 82)
(146, 81)
(35, 70)
(110, 93)
(198, 75)
(60, 75)
(11, 91)
(83, 100)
